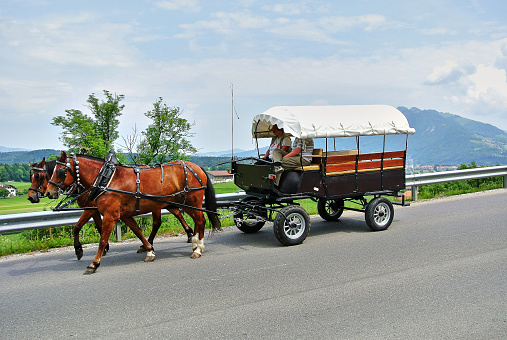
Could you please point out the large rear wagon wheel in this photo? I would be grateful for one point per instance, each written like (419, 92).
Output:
(246, 221)
(291, 225)
(379, 214)
(330, 210)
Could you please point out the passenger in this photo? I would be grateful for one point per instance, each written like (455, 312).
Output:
(301, 155)
(280, 142)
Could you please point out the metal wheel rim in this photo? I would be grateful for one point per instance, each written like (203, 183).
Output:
(381, 214)
(294, 226)
(330, 208)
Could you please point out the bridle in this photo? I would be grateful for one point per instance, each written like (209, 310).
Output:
(41, 179)
(62, 173)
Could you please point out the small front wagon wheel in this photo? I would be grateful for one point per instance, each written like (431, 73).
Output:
(379, 214)
(246, 222)
(330, 210)
(291, 225)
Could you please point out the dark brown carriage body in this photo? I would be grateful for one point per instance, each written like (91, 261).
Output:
(257, 180)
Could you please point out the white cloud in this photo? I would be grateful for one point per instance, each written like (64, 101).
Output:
(185, 5)
(438, 31)
(286, 9)
(489, 87)
(449, 72)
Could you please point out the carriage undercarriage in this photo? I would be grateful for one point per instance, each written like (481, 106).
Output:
(333, 194)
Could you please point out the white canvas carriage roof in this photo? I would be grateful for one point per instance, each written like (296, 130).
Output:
(332, 121)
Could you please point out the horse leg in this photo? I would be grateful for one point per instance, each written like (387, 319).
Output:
(198, 237)
(157, 222)
(132, 224)
(107, 227)
(177, 213)
(78, 248)
(98, 225)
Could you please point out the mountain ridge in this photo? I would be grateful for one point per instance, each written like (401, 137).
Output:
(441, 138)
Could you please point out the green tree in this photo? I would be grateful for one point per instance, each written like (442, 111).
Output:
(96, 134)
(166, 139)
(4, 193)
(106, 115)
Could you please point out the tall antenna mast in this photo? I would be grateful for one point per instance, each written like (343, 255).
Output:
(232, 121)
(233, 111)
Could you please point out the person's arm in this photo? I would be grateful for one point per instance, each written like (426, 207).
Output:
(266, 155)
(293, 153)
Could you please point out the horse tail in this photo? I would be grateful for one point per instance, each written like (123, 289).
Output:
(210, 201)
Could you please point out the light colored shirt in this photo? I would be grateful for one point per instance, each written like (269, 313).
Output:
(306, 146)
(278, 143)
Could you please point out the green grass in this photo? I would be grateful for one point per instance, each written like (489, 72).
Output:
(43, 239)
(16, 205)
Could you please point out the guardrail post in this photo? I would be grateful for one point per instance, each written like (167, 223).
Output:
(414, 193)
(118, 231)
(505, 181)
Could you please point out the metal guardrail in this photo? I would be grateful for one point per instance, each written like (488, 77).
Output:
(48, 219)
(416, 180)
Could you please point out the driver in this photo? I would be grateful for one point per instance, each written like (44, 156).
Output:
(279, 142)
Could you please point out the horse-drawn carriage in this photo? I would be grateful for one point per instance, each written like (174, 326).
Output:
(340, 171)
(333, 178)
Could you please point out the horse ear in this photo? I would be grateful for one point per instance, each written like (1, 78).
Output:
(63, 156)
(43, 162)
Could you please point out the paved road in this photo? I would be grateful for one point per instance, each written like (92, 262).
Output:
(439, 272)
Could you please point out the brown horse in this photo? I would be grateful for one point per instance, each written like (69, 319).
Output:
(42, 171)
(132, 191)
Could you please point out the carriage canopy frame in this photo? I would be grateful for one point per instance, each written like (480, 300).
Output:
(330, 121)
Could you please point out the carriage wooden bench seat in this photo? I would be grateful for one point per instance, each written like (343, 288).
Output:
(376, 161)
(344, 161)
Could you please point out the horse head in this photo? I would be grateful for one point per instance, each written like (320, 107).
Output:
(39, 181)
(59, 180)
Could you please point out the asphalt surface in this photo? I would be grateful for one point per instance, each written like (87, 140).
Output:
(439, 272)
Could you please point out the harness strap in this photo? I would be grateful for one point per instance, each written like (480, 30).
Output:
(137, 171)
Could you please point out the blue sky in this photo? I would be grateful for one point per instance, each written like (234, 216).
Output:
(450, 56)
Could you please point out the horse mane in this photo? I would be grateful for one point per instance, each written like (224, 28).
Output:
(50, 166)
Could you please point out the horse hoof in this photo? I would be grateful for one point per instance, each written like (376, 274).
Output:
(195, 255)
(106, 249)
(150, 256)
(79, 254)
(141, 250)
(189, 239)
(89, 271)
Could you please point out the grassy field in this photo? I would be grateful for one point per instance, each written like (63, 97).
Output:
(42, 239)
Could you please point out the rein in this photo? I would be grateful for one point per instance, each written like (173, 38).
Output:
(106, 175)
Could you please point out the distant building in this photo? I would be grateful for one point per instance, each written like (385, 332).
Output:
(220, 176)
(12, 189)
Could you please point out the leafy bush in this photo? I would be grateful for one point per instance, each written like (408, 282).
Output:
(460, 187)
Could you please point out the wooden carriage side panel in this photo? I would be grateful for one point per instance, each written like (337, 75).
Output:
(369, 181)
(340, 184)
(394, 179)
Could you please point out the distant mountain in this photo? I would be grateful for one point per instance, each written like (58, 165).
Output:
(447, 139)
(25, 157)
(440, 138)
(226, 153)
(6, 149)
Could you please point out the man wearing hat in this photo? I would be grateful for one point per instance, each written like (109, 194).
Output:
(280, 141)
